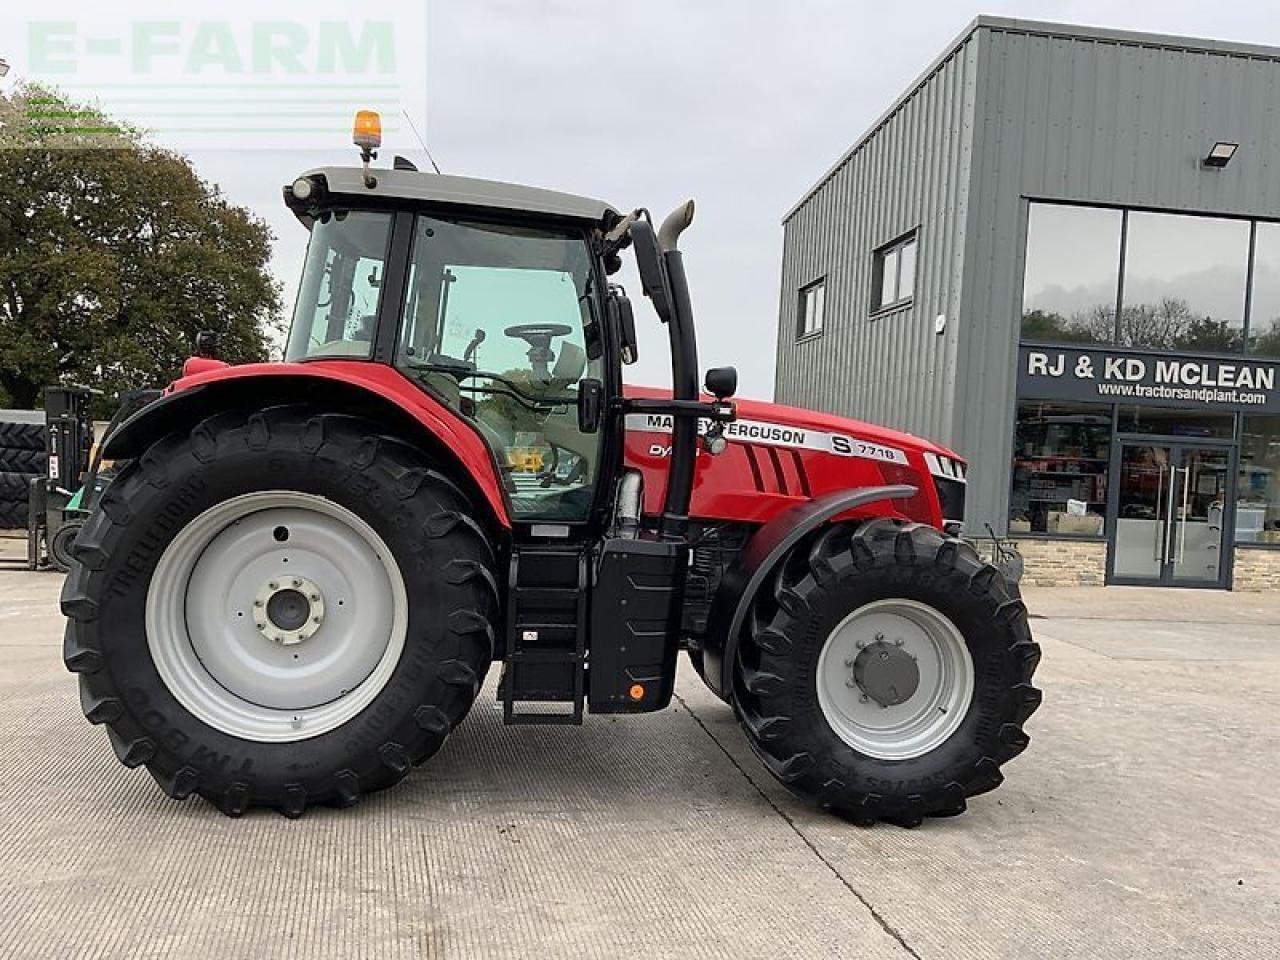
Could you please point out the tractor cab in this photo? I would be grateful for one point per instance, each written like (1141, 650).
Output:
(490, 306)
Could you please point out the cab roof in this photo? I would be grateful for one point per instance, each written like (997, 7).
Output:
(416, 186)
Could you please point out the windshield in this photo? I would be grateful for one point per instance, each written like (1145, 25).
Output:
(499, 324)
(341, 288)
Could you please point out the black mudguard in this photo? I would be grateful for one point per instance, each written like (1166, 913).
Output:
(762, 554)
(139, 429)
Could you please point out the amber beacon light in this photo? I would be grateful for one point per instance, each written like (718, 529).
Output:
(367, 135)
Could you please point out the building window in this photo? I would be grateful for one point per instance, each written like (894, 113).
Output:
(1258, 494)
(1183, 283)
(1061, 454)
(1264, 305)
(894, 282)
(1175, 422)
(1184, 280)
(1072, 276)
(813, 304)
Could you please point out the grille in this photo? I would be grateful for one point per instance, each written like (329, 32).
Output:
(951, 497)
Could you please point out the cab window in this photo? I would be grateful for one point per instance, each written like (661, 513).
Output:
(498, 323)
(341, 290)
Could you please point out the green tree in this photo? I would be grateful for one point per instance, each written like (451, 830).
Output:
(1266, 344)
(1092, 326)
(114, 254)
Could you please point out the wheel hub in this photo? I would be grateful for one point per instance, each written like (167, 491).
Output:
(288, 610)
(885, 672)
(276, 616)
(895, 679)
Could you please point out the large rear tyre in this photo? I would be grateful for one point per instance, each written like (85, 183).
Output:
(279, 609)
(886, 673)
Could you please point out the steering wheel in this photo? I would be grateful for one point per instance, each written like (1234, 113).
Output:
(539, 337)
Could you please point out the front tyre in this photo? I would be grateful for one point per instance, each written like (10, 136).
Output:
(279, 609)
(886, 674)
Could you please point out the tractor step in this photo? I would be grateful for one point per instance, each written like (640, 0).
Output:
(546, 634)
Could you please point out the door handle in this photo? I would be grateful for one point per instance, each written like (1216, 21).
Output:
(1160, 530)
(1182, 521)
(1168, 517)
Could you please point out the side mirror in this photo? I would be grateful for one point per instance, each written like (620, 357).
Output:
(623, 319)
(722, 382)
(590, 405)
(208, 344)
(653, 272)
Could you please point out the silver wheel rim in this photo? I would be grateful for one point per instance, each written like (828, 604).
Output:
(926, 716)
(322, 572)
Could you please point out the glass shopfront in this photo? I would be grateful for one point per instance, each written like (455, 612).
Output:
(1257, 518)
(1061, 457)
(1170, 510)
(1148, 411)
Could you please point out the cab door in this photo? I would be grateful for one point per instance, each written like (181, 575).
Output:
(500, 322)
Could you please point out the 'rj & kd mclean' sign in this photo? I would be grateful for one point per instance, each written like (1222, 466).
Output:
(1069, 373)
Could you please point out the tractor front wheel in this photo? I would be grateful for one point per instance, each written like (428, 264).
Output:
(886, 673)
(279, 609)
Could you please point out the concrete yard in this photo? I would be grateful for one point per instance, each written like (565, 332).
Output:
(1144, 821)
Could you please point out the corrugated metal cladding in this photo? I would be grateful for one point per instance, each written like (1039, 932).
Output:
(911, 174)
(1017, 111)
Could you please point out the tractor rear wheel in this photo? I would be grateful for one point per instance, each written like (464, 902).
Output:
(886, 674)
(279, 608)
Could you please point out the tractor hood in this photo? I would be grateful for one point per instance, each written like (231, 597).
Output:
(759, 420)
(778, 455)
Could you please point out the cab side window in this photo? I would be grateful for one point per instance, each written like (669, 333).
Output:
(499, 323)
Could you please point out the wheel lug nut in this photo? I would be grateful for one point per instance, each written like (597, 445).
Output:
(317, 619)
(273, 585)
(262, 626)
(298, 583)
(257, 603)
(314, 597)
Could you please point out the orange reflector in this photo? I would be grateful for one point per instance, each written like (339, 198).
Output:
(367, 132)
(637, 691)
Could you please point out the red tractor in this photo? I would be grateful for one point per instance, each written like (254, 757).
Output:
(295, 586)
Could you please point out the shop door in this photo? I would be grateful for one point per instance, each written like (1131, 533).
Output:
(1169, 515)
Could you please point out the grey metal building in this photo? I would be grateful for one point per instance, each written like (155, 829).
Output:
(1059, 253)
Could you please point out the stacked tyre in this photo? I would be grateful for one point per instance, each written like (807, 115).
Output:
(22, 458)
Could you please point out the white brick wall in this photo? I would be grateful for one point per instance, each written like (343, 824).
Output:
(1058, 563)
(1256, 570)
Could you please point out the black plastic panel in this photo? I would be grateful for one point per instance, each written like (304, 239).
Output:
(635, 609)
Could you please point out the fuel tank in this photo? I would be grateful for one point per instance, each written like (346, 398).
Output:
(778, 455)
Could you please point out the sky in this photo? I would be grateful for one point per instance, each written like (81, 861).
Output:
(739, 104)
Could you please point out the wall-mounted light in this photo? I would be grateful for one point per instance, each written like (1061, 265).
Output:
(1220, 154)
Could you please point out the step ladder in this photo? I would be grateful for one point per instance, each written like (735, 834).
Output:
(546, 633)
